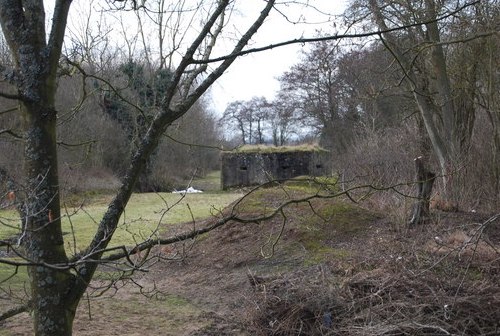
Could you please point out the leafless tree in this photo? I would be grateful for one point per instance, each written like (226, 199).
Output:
(445, 98)
(58, 281)
(324, 98)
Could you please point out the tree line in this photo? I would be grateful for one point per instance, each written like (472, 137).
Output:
(106, 100)
(425, 82)
(427, 90)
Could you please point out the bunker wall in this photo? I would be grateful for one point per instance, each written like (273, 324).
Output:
(246, 169)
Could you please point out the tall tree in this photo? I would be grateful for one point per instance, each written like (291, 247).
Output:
(283, 119)
(145, 91)
(250, 118)
(259, 121)
(445, 105)
(323, 96)
(58, 281)
(238, 116)
(34, 76)
(483, 79)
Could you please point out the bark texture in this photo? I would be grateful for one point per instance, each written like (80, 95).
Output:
(425, 181)
(34, 77)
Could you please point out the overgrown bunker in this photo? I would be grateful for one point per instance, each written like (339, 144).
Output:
(254, 165)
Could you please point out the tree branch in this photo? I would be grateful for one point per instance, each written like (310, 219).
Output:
(331, 37)
(233, 216)
(56, 37)
(12, 14)
(150, 141)
(227, 61)
(10, 132)
(10, 96)
(14, 311)
(187, 59)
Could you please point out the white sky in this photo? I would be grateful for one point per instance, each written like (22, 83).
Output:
(255, 74)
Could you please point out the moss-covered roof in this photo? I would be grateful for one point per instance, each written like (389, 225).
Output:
(277, 149)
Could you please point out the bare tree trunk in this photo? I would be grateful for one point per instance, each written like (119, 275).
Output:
(451, 132)
(53, 313)
(36, 60)
(425, 181)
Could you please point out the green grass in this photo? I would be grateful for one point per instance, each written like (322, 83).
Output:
(8, 223)
(209, 183)
(146, 215)
(13, 278)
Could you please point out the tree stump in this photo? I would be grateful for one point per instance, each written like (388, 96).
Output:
(425, 181)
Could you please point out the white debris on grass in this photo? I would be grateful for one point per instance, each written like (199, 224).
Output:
(189, 190)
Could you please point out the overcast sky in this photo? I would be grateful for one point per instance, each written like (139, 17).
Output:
(255, 74)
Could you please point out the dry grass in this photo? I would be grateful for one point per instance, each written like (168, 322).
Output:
(419, 285)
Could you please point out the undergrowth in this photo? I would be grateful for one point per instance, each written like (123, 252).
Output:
(436, 281)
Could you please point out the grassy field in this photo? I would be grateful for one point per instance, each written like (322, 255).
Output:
(146, 215)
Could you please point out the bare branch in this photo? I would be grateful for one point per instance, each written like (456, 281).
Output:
(331, 37)
(14, 311)
(227, 61)
(10, 132)
(56, 37)
(84, 143)
(187, 59)
(233, 215)
(10, 96)
(12, 109)
(192, 144)
(208, 51)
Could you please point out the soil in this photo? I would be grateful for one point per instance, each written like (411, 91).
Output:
(216, 287)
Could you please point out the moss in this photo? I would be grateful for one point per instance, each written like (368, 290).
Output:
(475, 274)
(331, 222)
(255, 202)
(173, 301)
(317, 226)
(313, 185)
(324, 253)
(344, 217)
(277, 149)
